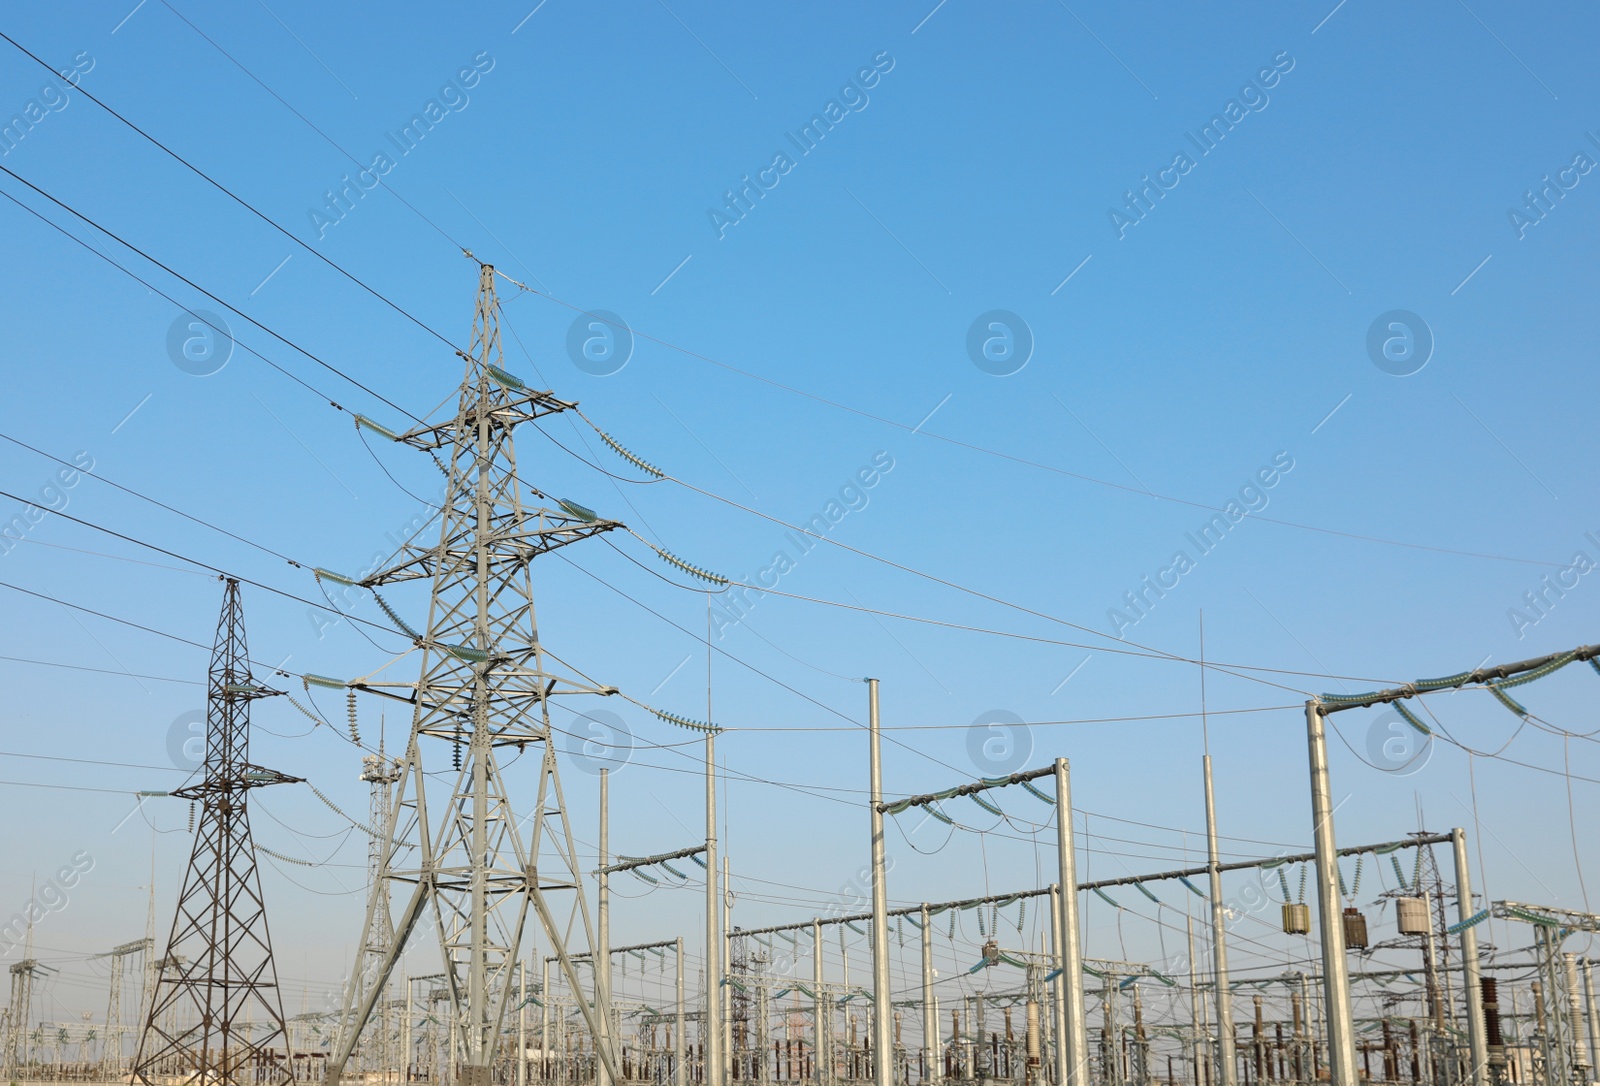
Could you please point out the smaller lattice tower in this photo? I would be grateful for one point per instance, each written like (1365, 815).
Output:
(216, 1013)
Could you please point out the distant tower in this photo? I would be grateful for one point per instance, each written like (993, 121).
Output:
(468, 858)
(111, 1046)
(217, 989)
(22, 976)
(381, 773)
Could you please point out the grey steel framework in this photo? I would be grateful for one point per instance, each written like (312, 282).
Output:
(217, 1013)
(484, 689)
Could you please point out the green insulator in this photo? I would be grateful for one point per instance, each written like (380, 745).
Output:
(362, 420)
(684, 722)
(582, 512)
(506, 379)
(986, 805)
(324, 681)
(638, 462)
(688, 567)
(395, 618)
(1411, 718)
(1507, 700)
(1441, 684)
(337, 578)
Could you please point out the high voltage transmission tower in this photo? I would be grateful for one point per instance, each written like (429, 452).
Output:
(216, 1011)
(475, 866)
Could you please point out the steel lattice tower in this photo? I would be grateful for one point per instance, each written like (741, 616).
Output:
(218, 984)
(381, 773)
(475, 867)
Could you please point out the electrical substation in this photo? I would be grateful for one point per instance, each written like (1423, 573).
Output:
(419, 673)
(530, 989)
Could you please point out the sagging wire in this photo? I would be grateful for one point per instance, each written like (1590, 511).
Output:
(1148, 650)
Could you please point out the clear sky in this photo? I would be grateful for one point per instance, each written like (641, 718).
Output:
(1332, 266)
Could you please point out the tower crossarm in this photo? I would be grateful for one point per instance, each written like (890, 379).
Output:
(505, 415)
(244, 777)
(1547, 915)
(544, 531)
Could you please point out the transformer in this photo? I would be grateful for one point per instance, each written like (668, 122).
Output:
(1296, 918)
(1355, 929)
(1411, 915)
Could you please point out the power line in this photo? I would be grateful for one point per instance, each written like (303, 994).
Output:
(102, 670)
(296, 378)
(284, 102)
(1019, 459)
(90, 761)
(218, 570)
(237, 199)
(1152, 652)
(189, 282)
(153, 501)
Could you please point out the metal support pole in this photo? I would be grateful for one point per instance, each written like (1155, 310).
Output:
(678, 1069)
(1219, 943)
(882, 1014)
(405, 1029)
(1197, 1033)
(544, 1023)
(728, 1054)
(522, 1024)
(1477, 1041)
(1076, 1038)
(1589, 1000)
(930, 1012)
(1330, 920)
(1060, 986)
(819, 1001)
(602, 953)
(713, 1045)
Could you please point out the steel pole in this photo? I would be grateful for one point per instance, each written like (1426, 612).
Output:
(713, 1045)
(522, 1024)
(602, 955)
(1076, 1037)
(1198, 1034)
(1059, 986)
(1342, 1067)
(819, 1000)
(882, 1015)
(1594, 1022)
(729, 1056)
(1219, 940)
(678, 1070)
(930, 1012)
(1477, 1041)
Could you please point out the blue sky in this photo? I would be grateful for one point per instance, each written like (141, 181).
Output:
(1172, 360)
